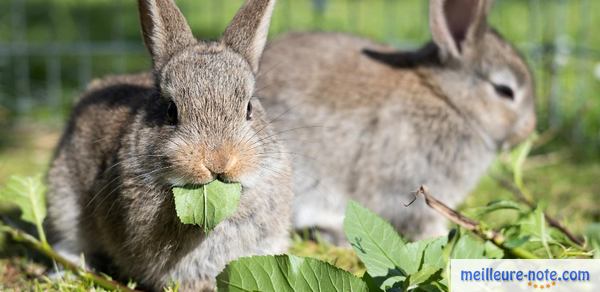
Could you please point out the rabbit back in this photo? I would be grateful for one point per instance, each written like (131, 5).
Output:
(366, 131)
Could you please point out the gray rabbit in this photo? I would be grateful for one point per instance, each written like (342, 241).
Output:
(367, 123)
(194, 119)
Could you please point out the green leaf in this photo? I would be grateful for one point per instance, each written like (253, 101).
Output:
(371, 285)
(519, 156)
(421, 276)
(391, 263)
(516, 242)
(207, 205)
(416, 255)
(468, 247)
(432, 287)
(491, 251)
(28, 193)
(286, 273)
(434, 252)
(375, 241)
(593, 234)
(535, 225)
(393, 284)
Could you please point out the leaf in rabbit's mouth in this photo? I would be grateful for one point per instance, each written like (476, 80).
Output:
(207, 205)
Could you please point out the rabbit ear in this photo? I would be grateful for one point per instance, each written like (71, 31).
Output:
(165, 30)
(247, 33)
(456, 24)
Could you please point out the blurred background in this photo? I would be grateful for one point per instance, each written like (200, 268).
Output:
(51, 49)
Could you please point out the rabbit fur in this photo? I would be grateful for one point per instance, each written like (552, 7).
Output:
(367, 123)
(194, 119)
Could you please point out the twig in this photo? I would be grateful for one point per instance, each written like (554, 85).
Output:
(473, 226)
(45, 249)
(551, 221)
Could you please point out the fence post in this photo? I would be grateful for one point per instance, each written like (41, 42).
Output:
(287, 14)
(353, 15)
(388, 23)
(18, 52)
(561, 48)
(582, 40)
(118, 63)
(319, 7)
(53, 65)
(85, 61)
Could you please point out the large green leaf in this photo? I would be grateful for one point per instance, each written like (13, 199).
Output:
(392, 263)
(375, 241)
(207, 205)
(286, 273)
(28, 193)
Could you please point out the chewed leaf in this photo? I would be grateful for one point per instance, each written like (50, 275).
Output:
(207, 205)
(286, 273)
(28, 193)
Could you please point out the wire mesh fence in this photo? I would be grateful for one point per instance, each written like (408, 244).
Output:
(50, 49)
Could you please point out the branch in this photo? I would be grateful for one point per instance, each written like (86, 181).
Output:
(473, 226)
(551, 221)
(45, 249)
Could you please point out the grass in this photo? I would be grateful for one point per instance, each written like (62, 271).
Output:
(567, 187)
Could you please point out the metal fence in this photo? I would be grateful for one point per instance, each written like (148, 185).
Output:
(50, 49)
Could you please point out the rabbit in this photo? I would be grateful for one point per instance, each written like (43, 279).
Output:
(367, 123)
(192, 120)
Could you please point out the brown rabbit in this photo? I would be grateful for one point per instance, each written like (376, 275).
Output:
(132, 138)
(372, 125)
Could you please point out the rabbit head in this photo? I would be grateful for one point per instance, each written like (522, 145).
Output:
(482, 74)
(210, 125)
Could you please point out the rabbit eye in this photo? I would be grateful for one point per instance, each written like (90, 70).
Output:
(249, 111)
(172, 113)
(504, 91)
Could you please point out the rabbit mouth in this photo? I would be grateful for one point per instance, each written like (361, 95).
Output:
(200, 185)
(189, 180)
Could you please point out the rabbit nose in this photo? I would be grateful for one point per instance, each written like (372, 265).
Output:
(221, 165)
